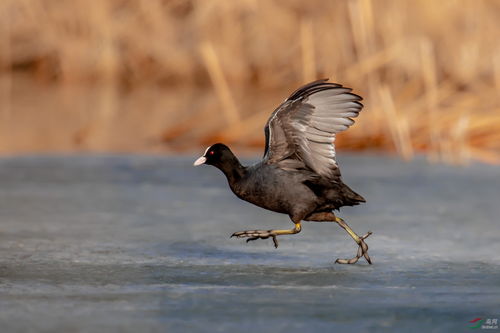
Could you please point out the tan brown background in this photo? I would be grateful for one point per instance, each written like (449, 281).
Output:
(169, 76)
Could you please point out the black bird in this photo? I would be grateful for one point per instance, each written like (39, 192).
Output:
(298, 175)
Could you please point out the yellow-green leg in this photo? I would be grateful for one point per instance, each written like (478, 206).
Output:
(264, 234)
(362, 249)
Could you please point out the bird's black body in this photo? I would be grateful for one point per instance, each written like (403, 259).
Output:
(298, 193)
(298, 174)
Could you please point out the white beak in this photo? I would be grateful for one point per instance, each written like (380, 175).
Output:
(200, 161)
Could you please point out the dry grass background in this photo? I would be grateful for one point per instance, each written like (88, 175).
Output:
(154, 75)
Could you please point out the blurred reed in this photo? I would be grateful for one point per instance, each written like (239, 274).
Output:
(131, 75)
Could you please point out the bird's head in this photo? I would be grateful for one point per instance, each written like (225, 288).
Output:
(218, 155)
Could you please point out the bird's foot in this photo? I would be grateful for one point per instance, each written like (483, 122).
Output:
(362, 252)
(257, 234)
(265, 234)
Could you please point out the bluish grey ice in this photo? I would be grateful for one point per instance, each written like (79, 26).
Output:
(141, 244)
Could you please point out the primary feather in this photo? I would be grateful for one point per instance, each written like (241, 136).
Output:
(303, 127)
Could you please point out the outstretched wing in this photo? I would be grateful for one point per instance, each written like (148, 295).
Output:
(303, 127)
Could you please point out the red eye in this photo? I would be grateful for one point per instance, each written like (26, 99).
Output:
(211, 152)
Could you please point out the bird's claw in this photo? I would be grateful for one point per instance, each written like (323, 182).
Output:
(257, 234)
(362, 252)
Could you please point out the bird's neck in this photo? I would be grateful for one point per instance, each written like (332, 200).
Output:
(233, 170)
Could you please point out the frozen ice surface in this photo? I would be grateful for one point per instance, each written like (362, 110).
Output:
(141, 244)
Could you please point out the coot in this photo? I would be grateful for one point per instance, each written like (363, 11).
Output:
(298, 174)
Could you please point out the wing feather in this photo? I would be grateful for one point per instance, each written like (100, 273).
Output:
(303, 127)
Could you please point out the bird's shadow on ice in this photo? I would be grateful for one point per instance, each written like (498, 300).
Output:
(204, 253)
(200, 253)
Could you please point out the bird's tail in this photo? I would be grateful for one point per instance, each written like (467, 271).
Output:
(351, 198)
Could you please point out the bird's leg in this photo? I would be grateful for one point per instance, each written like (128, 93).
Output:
(265, 234)
(362, 249)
